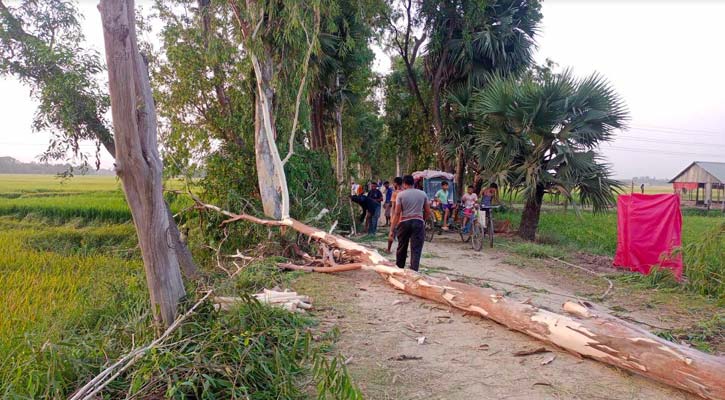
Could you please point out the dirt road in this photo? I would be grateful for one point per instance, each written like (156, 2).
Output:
(464, 357)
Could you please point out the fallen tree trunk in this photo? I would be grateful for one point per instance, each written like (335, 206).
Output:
(584, 331)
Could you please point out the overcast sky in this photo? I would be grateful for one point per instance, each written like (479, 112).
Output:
(665, 59)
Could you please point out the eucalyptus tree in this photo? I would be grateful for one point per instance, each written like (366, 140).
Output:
(406, 124)
(273, 33)
(540, 134)
(342, 76)
(42, 45)
(138, 163)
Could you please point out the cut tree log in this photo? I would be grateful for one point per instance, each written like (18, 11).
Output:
(584, 332)
(290, 301)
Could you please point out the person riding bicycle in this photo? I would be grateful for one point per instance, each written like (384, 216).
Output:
(469, 201)
(446, 202)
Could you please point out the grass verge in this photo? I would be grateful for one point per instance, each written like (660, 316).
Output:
(75, 300)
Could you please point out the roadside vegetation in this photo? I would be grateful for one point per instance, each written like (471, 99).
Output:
(565, 231)
(74, 299)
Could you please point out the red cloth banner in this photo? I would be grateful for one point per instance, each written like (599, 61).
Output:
(678, 186)
(649, 227)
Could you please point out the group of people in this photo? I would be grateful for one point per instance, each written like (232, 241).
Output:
(443, 201)
(371, 202)
(406, 210)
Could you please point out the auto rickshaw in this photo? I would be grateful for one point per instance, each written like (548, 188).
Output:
(480, 225)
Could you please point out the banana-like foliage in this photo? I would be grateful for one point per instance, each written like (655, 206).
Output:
(542, 135)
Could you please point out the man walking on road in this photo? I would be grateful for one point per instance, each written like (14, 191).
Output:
(411, 210)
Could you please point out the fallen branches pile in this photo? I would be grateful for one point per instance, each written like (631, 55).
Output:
(90, 390)
(583, 331)
(290, 301)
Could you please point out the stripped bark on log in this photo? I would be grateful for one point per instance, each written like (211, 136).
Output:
(290, 301)
(583, 332)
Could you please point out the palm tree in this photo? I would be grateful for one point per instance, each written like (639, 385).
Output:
(470, 39)
(541, 135)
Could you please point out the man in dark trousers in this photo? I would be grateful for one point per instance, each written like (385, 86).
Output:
(411, 212)
(376, 195)
(368, 206)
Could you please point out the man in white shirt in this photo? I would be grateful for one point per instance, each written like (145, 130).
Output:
(354, 187)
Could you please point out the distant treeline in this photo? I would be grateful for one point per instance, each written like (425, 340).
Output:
(650, 181)
(9, 165)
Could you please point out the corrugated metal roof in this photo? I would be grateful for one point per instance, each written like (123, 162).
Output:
(716, 169)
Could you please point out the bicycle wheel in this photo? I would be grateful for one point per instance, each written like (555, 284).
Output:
(490, 228)
(465, 236)
(430, 230)
(477, 236)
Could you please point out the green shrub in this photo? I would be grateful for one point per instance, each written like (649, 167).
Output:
(705, 264)
(534, 250)
(251, 352)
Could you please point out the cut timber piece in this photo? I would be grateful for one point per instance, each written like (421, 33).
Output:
(288, 300)
(600, 337)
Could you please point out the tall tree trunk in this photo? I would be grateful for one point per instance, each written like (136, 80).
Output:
(339, 148)
(477, 183)
(188, 266)
(270, 171)
(397, 163)
(437, 121)
(460, 174)
(317, 134)
(137, 159)
(530, 216)
(436, 88)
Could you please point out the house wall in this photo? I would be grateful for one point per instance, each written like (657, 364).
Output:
(696, 174)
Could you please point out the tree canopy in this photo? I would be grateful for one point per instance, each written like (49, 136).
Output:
(41, 44)
(541, 135)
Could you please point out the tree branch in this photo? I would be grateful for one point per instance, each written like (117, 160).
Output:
(301, 88)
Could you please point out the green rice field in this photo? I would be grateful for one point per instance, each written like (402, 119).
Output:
(597, 233)
(73, 298)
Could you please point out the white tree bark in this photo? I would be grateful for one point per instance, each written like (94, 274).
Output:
(339, 147)
(270, 170)
(137, 159)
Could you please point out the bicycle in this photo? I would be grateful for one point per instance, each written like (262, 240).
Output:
(482, 226)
